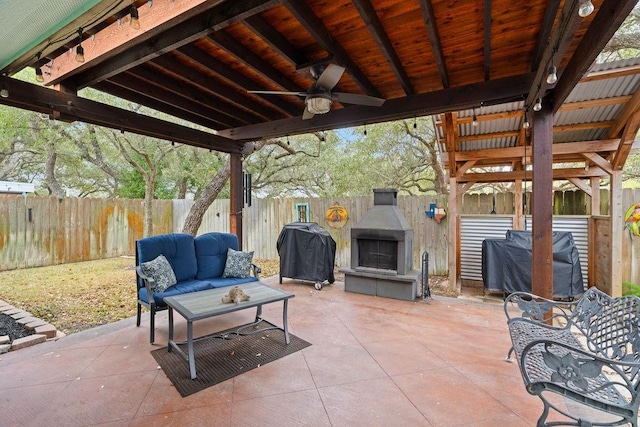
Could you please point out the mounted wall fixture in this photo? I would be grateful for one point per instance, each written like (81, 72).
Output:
(586, 8)
(133, 14)
(538, 105)
(80, 49)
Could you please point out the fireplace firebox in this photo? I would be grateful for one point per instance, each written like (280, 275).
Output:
(382, 251)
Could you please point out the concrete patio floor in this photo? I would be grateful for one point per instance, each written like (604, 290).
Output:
(373, 362)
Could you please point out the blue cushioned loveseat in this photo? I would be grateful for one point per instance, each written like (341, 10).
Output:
(197, 262)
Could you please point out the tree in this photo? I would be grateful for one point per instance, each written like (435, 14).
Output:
(147, 157)
(350, 163)
(194, 217)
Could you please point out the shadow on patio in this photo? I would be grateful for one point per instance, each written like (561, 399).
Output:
(373, 361)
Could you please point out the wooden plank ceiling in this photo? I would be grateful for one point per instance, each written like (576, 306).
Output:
(197, 60)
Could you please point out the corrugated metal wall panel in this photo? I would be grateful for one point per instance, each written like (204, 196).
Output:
(578, 226)
(473, 230)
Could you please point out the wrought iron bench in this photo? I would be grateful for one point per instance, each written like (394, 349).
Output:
(587, 350)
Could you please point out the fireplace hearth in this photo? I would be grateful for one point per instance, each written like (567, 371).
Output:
(382, 251)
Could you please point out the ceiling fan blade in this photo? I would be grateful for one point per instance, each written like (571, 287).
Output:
(307, 114)
(276, 92)
(352, 98)
(330, 76)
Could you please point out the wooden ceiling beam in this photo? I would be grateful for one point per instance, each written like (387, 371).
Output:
(455, 99)
(610, 15)
(138, 85)
(521, 175)
(119, 36)
(583, 126)
(555, 48)
(631, 70)
(450, 137)
(371, 20)
(275, 40)
(316, 28)
(550, 13)
(595, 103)
(182, 73)
(181, 90)
(557, 149)
(434, 39)
(164, 40)
(487, 39)
(600, 161)
(627, 112)
(71, 107)
(253, 61)
(626, 141)
(491, 135)
(243, 83)
(147, 101)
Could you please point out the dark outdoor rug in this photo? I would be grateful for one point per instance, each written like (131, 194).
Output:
(226, 359)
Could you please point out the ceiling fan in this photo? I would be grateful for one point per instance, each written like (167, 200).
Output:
(319, 97)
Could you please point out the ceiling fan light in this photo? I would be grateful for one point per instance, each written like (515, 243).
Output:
(318, 105)
(585, 9)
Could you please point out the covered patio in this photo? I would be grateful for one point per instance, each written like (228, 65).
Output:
(247, 70)
(373, 361)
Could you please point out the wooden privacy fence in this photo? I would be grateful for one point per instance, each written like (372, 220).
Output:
(38, 231)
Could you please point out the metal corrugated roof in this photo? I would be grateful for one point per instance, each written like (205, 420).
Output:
(30, 23)
(588, 90)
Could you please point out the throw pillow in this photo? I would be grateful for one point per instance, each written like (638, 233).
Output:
(238, 264)
(161, 272)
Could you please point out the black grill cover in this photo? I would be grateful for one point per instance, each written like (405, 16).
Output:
(307, 252)
(506, 264)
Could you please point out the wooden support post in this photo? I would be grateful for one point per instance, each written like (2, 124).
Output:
(236, 200)
(454, 282)
(518, 219)
(616, 215)
(542, 213)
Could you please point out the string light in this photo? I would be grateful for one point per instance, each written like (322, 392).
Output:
(526, 124)
(80, 49)
(538, 105)
(133, 14)
(585, 9)
(552, 77)
(474, 121)
(39, 76)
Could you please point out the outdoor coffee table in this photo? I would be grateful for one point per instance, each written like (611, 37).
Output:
(204, 304)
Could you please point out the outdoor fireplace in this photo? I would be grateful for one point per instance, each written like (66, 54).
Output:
(382, 251)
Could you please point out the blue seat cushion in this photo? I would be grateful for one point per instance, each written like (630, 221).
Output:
(211, 253)
(177, 248)
(192, 285)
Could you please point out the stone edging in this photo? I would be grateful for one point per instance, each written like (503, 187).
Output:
(43, 331)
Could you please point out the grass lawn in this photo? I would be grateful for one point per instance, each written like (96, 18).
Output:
(78, 296)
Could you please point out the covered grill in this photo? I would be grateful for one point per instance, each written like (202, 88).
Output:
(307, 252)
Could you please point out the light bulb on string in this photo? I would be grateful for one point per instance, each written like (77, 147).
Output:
(538, 105)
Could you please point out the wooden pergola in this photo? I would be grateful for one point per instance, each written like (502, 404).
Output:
(198, 60)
